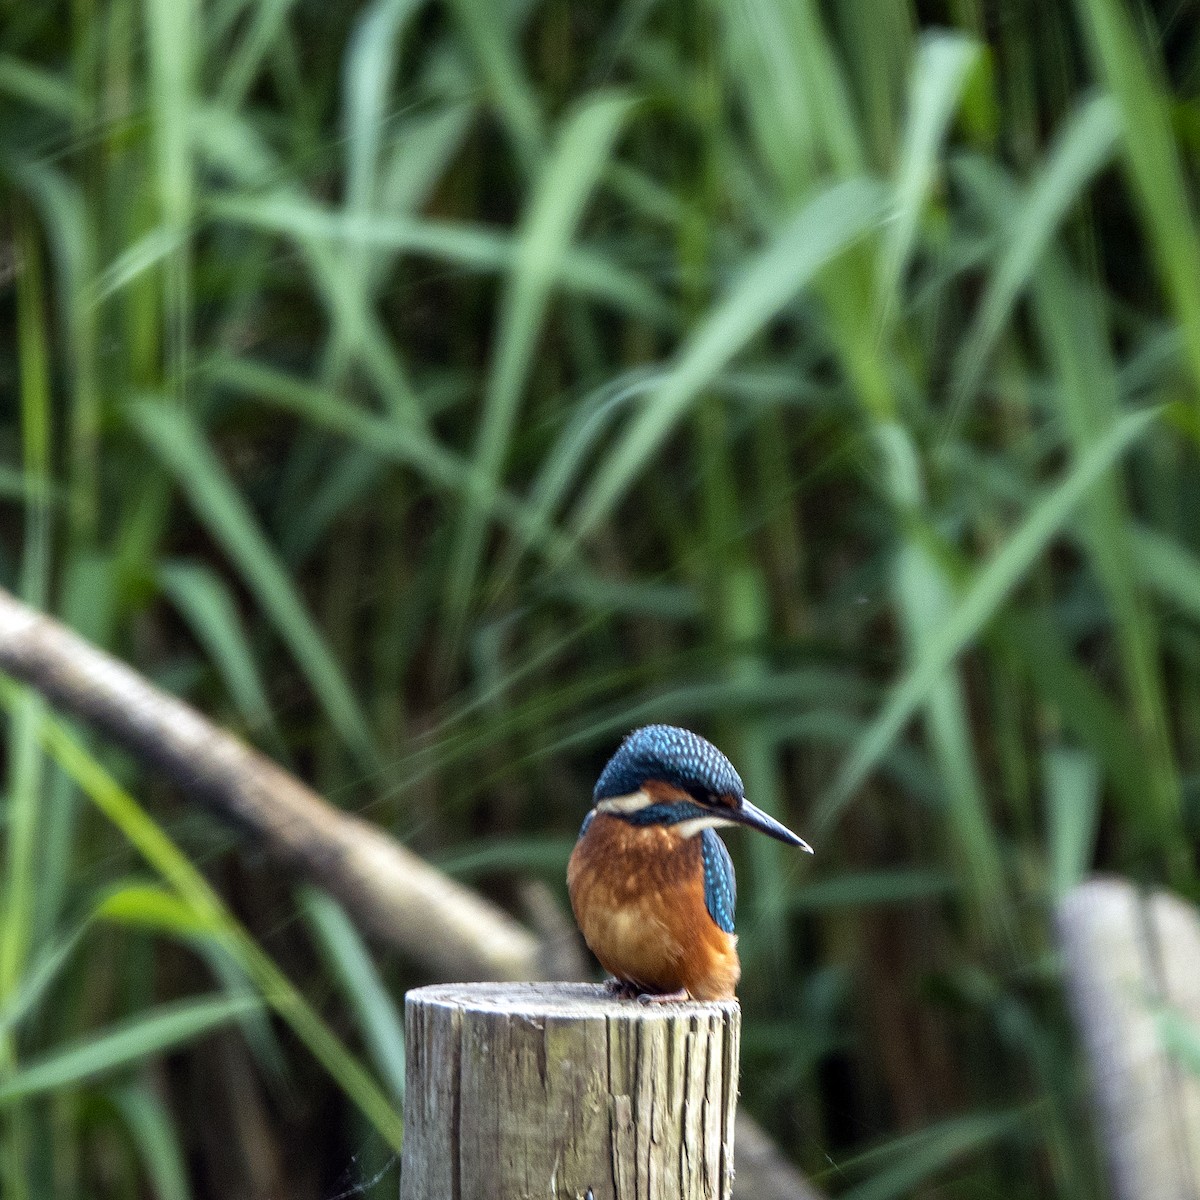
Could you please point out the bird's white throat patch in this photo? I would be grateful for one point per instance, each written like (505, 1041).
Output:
(692, 827)
(625, 804)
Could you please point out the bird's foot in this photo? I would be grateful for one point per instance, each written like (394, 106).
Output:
(664, 997)
(622, 989)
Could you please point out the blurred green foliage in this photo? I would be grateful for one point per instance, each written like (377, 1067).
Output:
(433, 392)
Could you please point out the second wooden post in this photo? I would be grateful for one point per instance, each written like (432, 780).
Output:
(561, 1091)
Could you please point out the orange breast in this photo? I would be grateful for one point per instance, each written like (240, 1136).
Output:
(638, 895)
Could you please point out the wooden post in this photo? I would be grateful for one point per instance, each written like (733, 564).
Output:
(561, 1091)
(1132, 963)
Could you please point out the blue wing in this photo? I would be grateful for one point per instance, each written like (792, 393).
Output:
(586, 822)
(720, 885)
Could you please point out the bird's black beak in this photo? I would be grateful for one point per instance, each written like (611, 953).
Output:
(748, 814)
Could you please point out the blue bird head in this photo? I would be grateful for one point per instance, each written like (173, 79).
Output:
(665, 775)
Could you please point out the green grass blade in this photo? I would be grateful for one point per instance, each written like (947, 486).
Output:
(1073, 811)
(439, 467)
(421, 156)
(154, 909)
(153, 1131)
(39, 88)
(135, 260)
(469, 247)
(208, 607)
(1153, 161)
(1083, 149)
(1072, 325)
(925, 598)
(562, 465)
(37, 980)
(352, 478)
(148, 906)
(809, 242)
(939, 76)
(23, 811)
(148, 838)
(235, 148)
(171, 26)
(981, 600)
(161, 1029)
(1168, 569)
(793, 79)
(367, 82)
(221, 508)
(88, 605)
(487, 33)
(370, 64)
(546, 857)
(251, 48)
(379, 1018)
(1069, 690)
(68, 229)
(571, 173)
(921, 1155)
(904, 885)
(171, 34)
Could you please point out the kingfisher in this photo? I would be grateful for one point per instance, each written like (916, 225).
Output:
(651, 882)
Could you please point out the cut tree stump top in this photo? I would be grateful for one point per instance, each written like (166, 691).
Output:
(1132, 962)
(519, 1091)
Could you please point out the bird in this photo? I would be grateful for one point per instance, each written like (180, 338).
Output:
(651, 882)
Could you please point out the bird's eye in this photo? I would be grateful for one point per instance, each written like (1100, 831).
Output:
(710, 799)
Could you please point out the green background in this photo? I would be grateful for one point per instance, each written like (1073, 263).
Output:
(433, 392)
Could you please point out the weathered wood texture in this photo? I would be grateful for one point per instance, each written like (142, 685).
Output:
(561, 1092)
(1129, 956)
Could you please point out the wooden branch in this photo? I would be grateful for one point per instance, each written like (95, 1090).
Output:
(562, 1090)
(389, 891)
(762, 1171)
(1131, 959)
